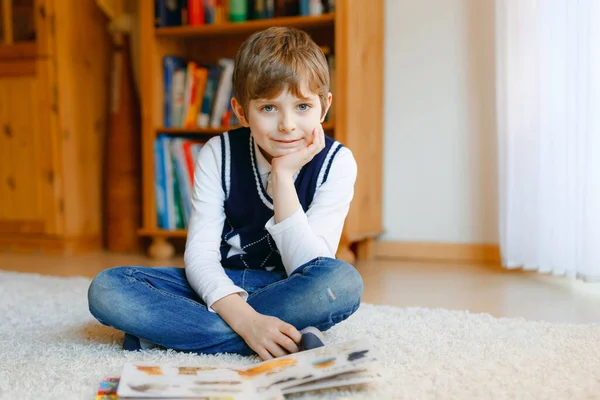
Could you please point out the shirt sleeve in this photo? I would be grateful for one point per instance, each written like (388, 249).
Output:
(304, 236)
(202, 256)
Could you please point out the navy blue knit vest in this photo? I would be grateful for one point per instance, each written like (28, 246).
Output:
(245, 242)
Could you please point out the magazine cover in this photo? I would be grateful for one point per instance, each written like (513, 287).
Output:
(325, 367)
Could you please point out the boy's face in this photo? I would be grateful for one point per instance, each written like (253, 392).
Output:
(283, 124)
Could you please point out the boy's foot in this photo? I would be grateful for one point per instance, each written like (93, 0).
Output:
(311, 338)
(134, 343)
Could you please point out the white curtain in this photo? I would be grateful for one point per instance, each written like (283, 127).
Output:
(548, 99)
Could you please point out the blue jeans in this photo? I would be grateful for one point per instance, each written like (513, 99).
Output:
(158, 304)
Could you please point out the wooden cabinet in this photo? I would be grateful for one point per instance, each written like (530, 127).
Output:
(54, 77)
(355, 35)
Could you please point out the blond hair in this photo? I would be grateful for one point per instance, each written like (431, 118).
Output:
(277, 58)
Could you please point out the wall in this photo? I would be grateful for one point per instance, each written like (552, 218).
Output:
(440, 158)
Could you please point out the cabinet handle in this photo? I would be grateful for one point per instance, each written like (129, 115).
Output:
(7, 131)
(42, 11)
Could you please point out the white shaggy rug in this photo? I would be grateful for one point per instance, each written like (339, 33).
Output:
(51, 347)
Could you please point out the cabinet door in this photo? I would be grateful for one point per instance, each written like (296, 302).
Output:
(26, 28)
(30, 201)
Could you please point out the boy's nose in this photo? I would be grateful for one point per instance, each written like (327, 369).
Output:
(287, 124)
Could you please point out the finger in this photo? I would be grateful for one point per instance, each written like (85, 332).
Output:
(319, 138)
(275, 350)
(315, 133)
(318, 142)
(322, 136)
(291, 332)
(263, 353)
(288, 344)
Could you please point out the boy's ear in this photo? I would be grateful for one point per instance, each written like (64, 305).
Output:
(329, 99)
(239, 111)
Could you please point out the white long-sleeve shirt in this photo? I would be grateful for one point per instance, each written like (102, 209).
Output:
(299, 238)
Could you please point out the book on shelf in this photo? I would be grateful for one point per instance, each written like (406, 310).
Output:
(197, 96)
(349, 363)
(174, 160)
(206, 12)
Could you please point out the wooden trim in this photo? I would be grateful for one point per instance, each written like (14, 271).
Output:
(229, 28)
(45, 27)
(426, 251)
(147, 82)
(18, 51)
(8, 226)
(163, 232)
(7, 21)
(365, 249)
(17, 68)
(49, 244)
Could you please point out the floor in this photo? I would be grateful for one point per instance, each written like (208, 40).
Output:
(461, 286)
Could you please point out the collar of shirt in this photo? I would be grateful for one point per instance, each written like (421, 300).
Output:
(263, 166)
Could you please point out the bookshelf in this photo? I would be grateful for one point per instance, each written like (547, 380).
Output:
(248, 27)
(354, 33)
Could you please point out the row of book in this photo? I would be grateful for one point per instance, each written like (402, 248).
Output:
(201, 12)
(174, 160)
(197, 95)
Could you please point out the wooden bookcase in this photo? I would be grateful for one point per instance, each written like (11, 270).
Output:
(355, 35)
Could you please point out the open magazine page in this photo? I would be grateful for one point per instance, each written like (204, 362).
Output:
(287, 372)
(367, 375)
(147, 381)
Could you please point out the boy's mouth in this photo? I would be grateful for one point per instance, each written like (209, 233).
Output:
(287, 141)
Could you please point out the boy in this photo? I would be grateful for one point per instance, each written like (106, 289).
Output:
(269, 204)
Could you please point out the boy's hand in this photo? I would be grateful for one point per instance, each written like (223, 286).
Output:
(270, 337)
(292, 162)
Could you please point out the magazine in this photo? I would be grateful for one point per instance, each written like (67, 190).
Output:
(349, 363)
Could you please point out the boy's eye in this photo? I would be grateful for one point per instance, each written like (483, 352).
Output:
(268, 108)
(304, 107)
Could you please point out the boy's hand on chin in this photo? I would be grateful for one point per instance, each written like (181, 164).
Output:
(292, 162)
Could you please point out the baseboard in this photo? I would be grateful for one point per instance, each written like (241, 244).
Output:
(431, 251)
(49, 244)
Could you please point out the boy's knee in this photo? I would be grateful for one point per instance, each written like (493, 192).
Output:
(342, 280)
(103, 293)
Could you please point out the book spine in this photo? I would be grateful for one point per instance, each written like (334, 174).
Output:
(178, 209)
(223, 91)
(170, 12)
(201, 75)
(185, 12)
(269, 9)
(196, 12)
(250, 9)
(238, 10)
(170, 65)
(210, 8)
(168, 166)
(259, 6)
(316, 7)
(183, 182)
(160, 17)
(178, 97)
(209, 95)
(330, 6)
(159, 185)
(304, 7)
